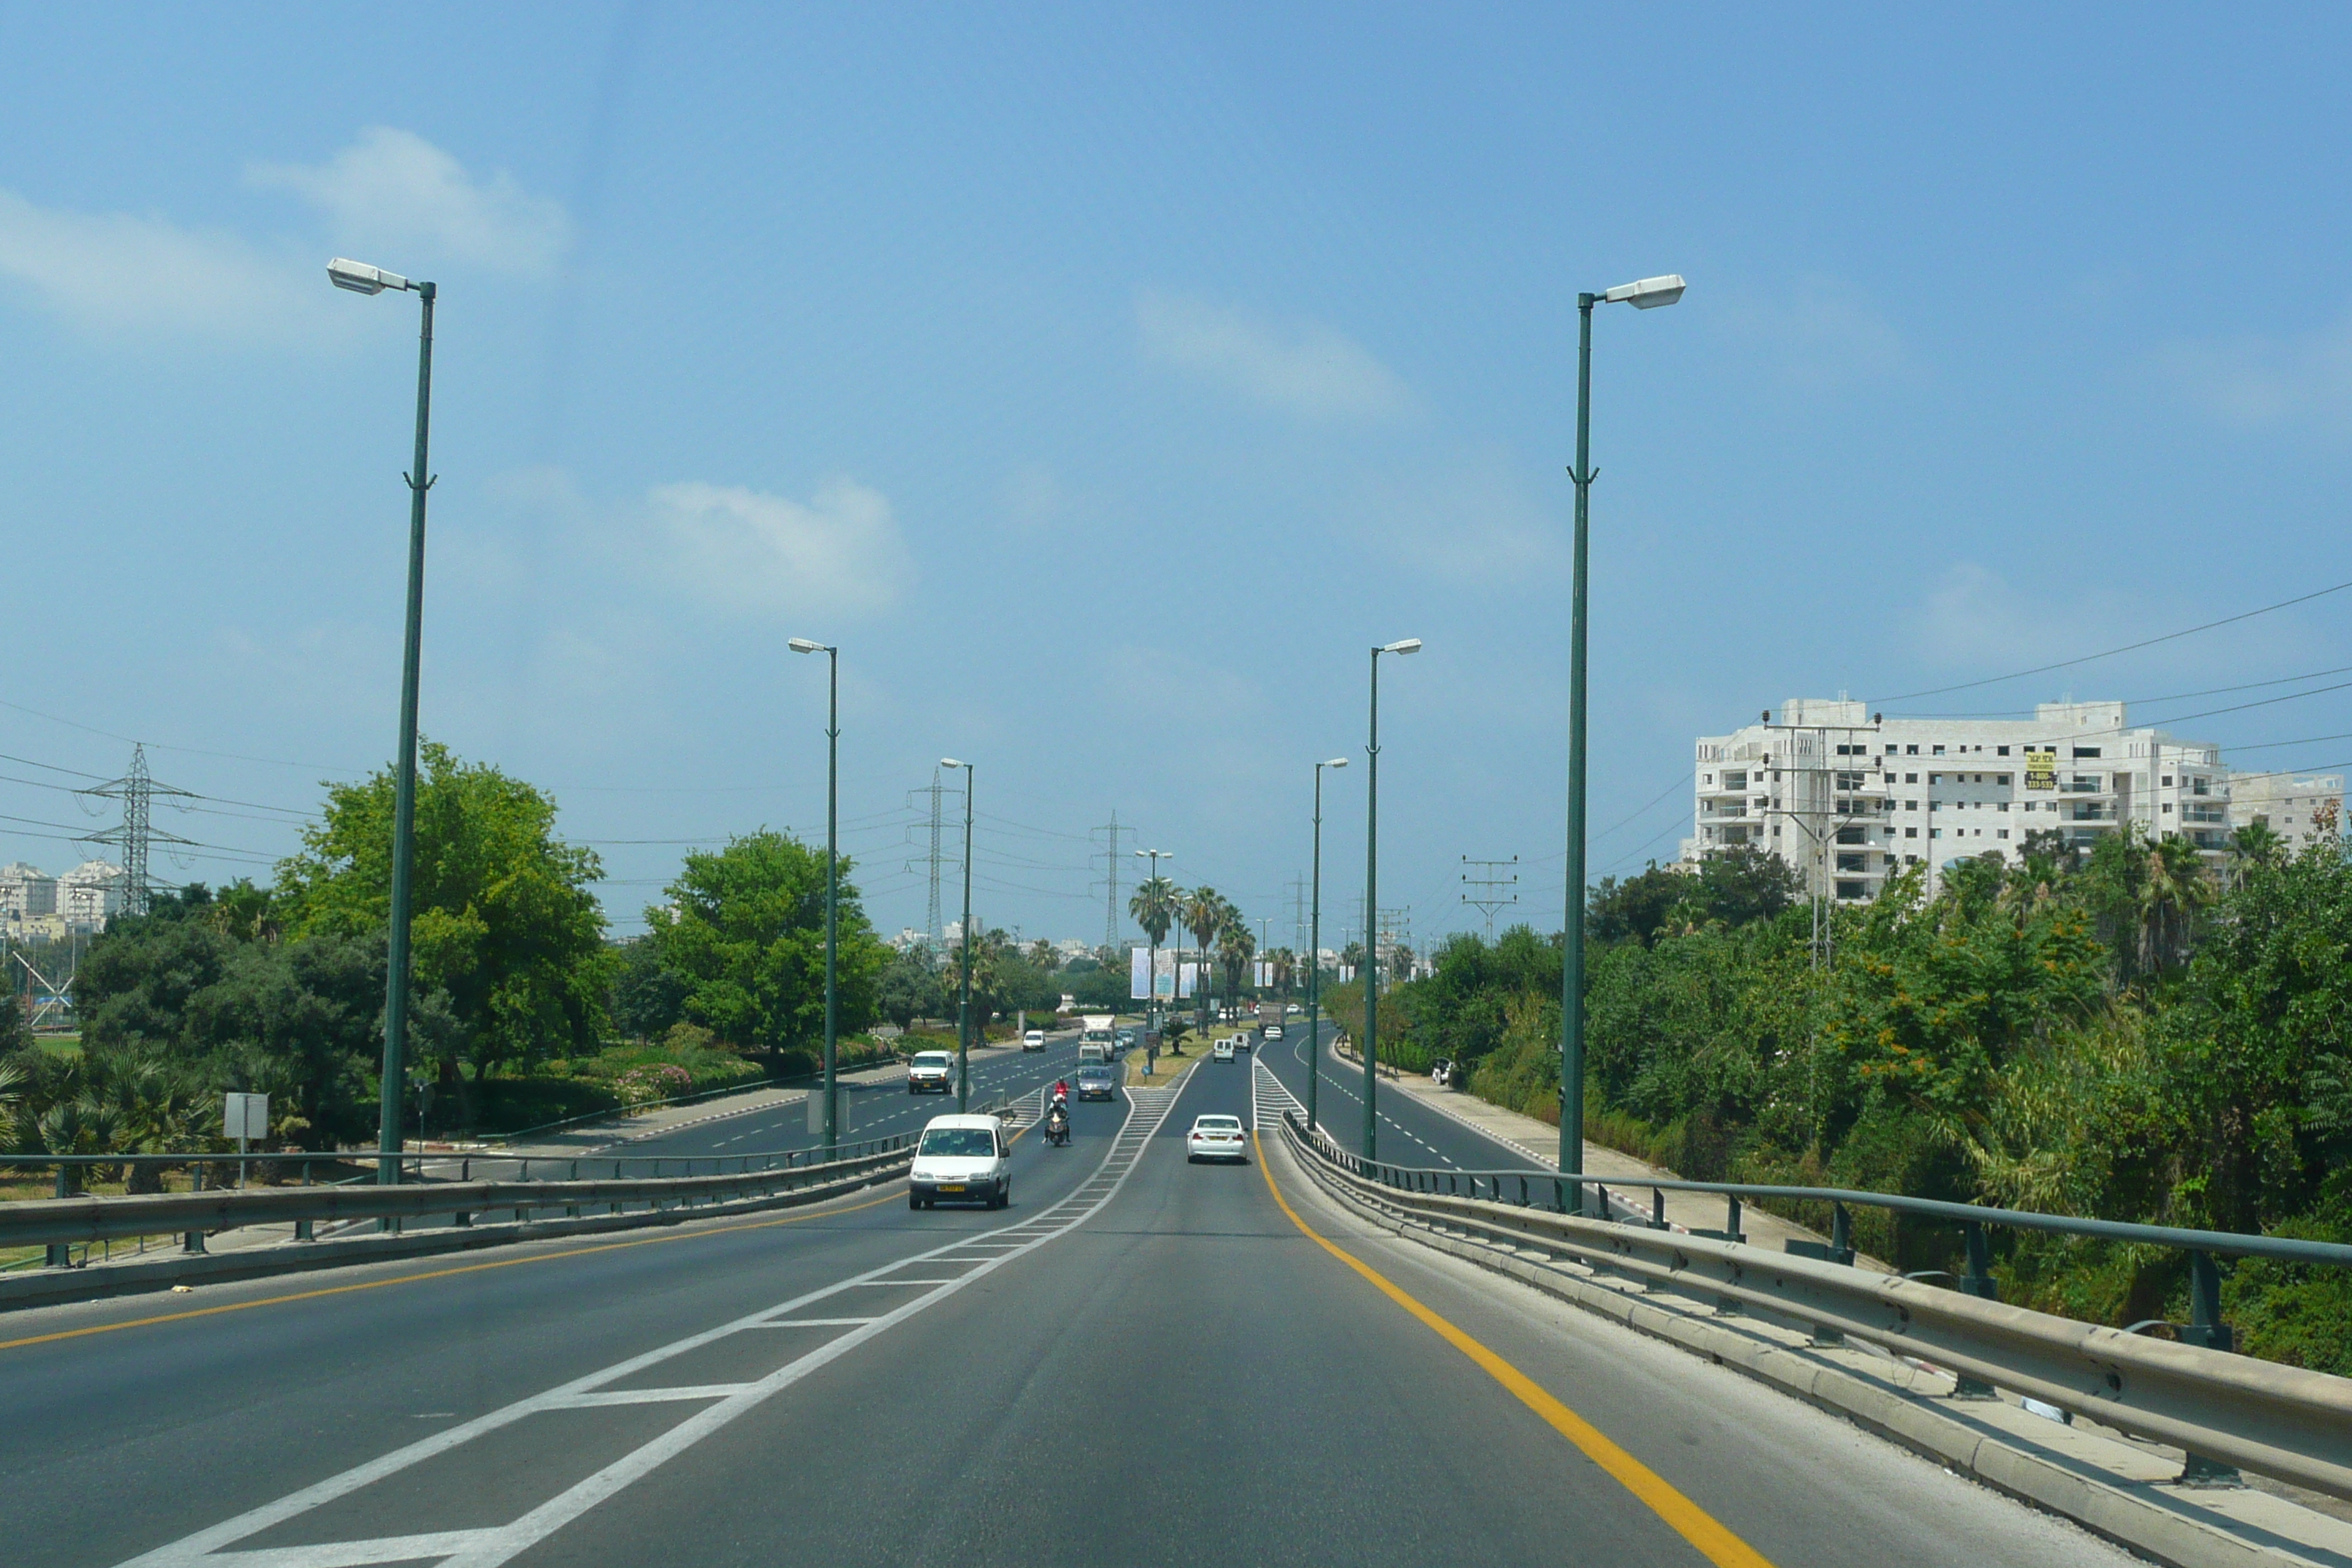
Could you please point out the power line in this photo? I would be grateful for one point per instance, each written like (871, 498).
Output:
(2127, 648)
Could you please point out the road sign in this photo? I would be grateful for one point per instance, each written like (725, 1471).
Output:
(244, 1116)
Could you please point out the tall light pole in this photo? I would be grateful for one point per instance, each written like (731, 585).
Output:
(832, 878)
(1373, 902)
(1151, 959)
(1647, 294)
(963, 1006)
(1315, 954)
(361, 278)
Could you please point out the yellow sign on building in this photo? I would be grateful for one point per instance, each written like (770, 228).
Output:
(2042, 770)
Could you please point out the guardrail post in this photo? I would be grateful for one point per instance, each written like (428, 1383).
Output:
(1523, 1192)
(2206, 1328)
(1841, 1235)
(1977, 1281)
(1657, 1208)
(1601, 1202)
(1731, 1221)
(193, 1240)
(60, 1253)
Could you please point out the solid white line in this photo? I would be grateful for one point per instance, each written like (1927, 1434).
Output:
(486, 1549)
(354, 1553)
(814, 1323)
(651, 1395)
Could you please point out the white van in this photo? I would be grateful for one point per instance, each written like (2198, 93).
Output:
(1093, 1052)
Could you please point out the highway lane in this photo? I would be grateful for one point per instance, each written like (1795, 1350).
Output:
(118, 1440)
(1411, 1132)
(1185, 1375)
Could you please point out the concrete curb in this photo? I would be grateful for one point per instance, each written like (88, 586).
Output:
(2142, 1519)
(58, 1285)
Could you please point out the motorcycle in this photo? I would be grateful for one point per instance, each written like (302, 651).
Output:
(1057, 1126)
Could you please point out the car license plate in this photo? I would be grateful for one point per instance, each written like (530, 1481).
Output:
(957, 1188)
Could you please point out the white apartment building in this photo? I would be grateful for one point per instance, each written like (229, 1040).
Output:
(90, 893)
(2290, 804)
(26, 892)
(1850, 797)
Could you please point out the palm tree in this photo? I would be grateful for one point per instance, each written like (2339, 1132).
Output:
(2177, 887)
(1352, 955)
(2255, 845)
(1235, 948)
(1204, 911)
(1286, 969)
(1154, 907)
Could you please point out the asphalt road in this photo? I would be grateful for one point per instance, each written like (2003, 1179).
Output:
(1411, 1133)
(1142, 1362)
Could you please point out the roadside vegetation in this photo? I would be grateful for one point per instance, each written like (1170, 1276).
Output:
(2120, 1034)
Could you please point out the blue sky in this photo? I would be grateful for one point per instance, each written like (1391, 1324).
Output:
(1105, 380)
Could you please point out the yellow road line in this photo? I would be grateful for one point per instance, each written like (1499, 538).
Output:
(420, 1279)
(1689, 1520)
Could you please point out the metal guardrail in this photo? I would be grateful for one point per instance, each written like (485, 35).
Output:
(2222, 1410)
(59, 1222)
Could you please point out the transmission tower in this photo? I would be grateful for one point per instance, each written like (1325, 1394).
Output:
(137, 792)
(1489, 886)
(1298, 914)
(932, 930)
(1112, 830)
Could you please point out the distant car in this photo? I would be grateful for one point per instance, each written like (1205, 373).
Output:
(1035, 1040)
(1221, 1051)
(1127, 1039)
(1244, 1041)
(1274, 1031)
(961, 1159)
(1216, 1137)
(1294, 1007)
(1095, 1082)
(931, 1072)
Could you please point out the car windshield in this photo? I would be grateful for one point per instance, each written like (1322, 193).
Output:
(958, 1142)
(1094, 1075)
(1219, 1124)
(932, 1059)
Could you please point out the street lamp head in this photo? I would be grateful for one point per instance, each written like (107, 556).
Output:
(1334, 763)
(950, 762)
(1410, 645)
(802, 645)
(361, 278)
(1647, 293)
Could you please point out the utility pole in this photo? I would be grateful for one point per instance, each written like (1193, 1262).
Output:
(1828, 794)
(1110, 877)
(1488, 884)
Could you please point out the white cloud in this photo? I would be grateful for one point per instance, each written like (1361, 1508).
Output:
(126, 272)
(1478, 527)
(1819, 334)
(1305, 369)
(395, 192)
(1034, 499)
(738, 550)
(2251, 381)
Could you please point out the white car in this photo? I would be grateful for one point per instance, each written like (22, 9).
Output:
(931, 1072)
(1274, 1031)
(1035, 1040)
(1216, 1137)
(1222, 1051)
(962, 1159)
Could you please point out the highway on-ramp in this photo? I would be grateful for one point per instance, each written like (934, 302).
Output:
(1142, 1361)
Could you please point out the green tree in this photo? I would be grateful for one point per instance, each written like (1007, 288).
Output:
(1203, 911)
(1154, 905)
(504, 919)
(911, 988)
(648, 997)
(745, 930)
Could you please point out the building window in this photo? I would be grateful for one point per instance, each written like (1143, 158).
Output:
(2086, 751)
(2168, 784)
(2167, 808)
(1850, 890)
(1936, 750)
(2004, 833)
(1935, 833)
(1910, 833)
(1910, 805)
(1854, 863)
(1935, 806)
(2001, 751)
(1910, 750)
(1851, 836)
(1890, 750)
(2199, 786)
(2001, 779)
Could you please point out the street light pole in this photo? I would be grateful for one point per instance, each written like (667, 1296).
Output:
(361, 278)
(963, 1006)
(1645, 294)
(1315, 954)
(1371, 1041)
(1152, 953)
(832, 881)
